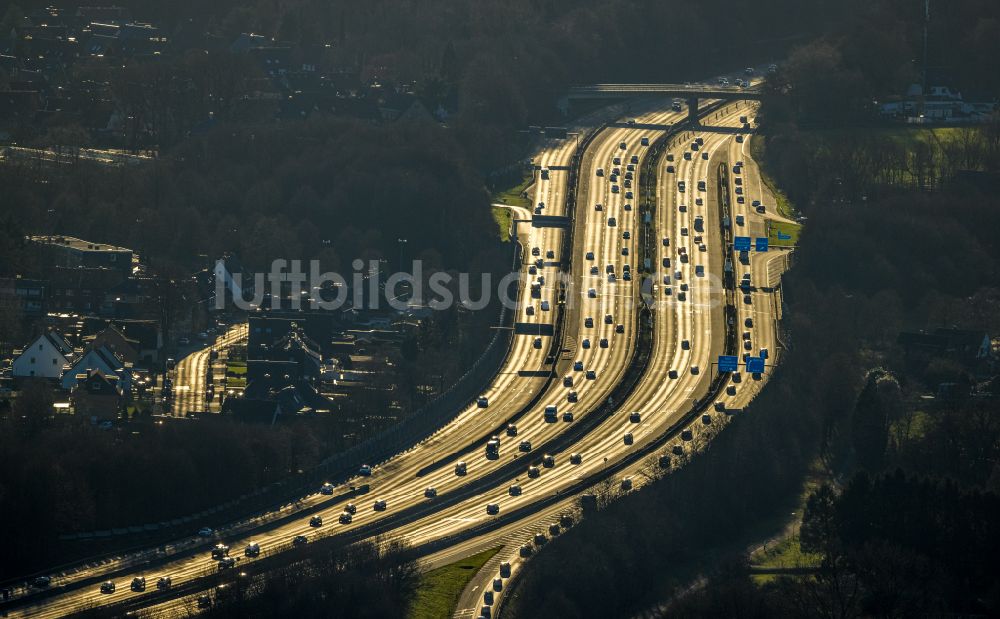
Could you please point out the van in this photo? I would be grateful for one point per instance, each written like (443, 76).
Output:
(551, 412)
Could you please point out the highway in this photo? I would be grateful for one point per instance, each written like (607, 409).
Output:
(688, 334)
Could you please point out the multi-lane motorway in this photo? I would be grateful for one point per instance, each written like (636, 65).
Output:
(425, 499)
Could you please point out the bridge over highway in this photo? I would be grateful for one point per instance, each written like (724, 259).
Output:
(691, 93)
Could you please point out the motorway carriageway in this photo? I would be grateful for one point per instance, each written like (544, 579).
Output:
(675, 320)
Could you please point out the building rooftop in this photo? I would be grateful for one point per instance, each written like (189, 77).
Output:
(75, 243)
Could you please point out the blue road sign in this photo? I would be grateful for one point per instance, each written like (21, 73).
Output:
(729, 363)
(784, 237)
(755, 365)
(761, 243)
(741, 243)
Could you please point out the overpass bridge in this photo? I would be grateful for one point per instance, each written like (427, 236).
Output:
(691, 93)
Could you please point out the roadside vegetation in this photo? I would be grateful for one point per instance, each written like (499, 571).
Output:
(440, 589)
(905, 519)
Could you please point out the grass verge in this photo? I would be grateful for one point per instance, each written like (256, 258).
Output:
(503, 218)
(236, 368)
(783, 234)
(440, 589)
(513, 195)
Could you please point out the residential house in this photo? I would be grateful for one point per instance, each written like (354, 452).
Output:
(45, 357)
(125, 348)
(97, 396)
(102, 359)
(146, 332)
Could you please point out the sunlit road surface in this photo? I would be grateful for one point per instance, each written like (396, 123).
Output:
(190, 380)
(659, 400)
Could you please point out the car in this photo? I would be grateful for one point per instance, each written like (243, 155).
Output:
(704, 154)
(379, 505)
(604, 342)
(665, 241)
(740, 200)
(634, 159)
(590, 255)
(600, 171)
(682, 208)
(677, 450)
(736, 377)
(624, 251)
(616, 160)
(545, 306)
(682, 296)
(609, 319)
(572, 397)
(626, 235)
(205, 532)
(686, 435)
(351, 508)
(592, 293)
(644, 141)
(138, 583)
(300, 540)
(627, 183)
(687, 155)
(511, 429)
(537, 343)
(695, 369)
(220, 551)
(612, 222)
(670, 169)
(760, 209)
(681, 185)
(461, 468)
(755, 203)
(598, 207)
(627, 276)
(525, 446)
(525, 550)
(514, 490)
(635, 417)
(505, 569)
(204, 601)
(623, 146)
(530, 310)
(534, 472)
(685, 344)
(346, 518)
(628, 438)
(226, 563)
(567, 381)
(540, 539)
(585, 344)
(747, 300)
(672, 374)
(588, 322)
(619, 328)
(550, 253)
(492, 509)
(731, 390)
(615, 189)
(578, 366)
(365, 470)
(252, 549)
(107, 587)
(163, 583)
(567, 417)
(41, 582)
(684, 231)
(326, 488)
(699, 202)
(628, 196)
(627, 484)
(316, 521)
(548, 461)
